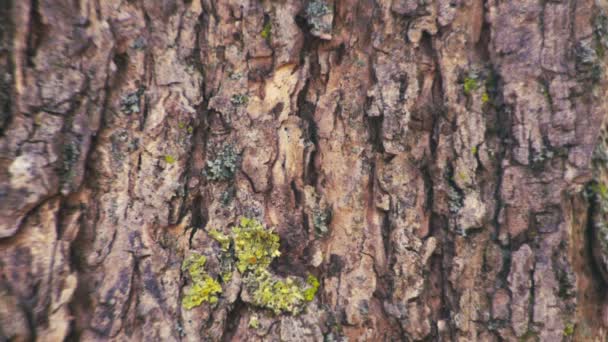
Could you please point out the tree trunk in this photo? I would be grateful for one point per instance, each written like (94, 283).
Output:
(439, 166)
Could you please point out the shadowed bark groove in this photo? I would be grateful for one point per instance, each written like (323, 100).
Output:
(439, 166)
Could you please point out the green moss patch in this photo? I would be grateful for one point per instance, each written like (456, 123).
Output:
(470, 84)
(273, 293)
(169, 159)
(204, 288)
(254, 248)
(309, 293)
(267, 30)
(220, 237)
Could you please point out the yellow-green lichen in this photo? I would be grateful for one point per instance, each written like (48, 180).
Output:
(204, 291)
(569, 329)
(309, 293)
(184, 126)
(273, 293)
(254, 246)
(470, 84)
(463, 177)
(600, 190)
(254, 322)
(169, 159)
(226, 276)
(266, 31)
(254, 249)
(195, 266)
(204, 288)
(226, 260)
(220, 237)
(485, 97)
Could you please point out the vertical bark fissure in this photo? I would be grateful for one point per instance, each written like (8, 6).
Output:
(7, 66)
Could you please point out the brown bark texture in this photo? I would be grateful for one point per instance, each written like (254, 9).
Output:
(438, 165)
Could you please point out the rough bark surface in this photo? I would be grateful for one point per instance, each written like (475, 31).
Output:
(430, 162)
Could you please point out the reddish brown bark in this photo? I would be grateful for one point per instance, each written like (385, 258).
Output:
(426, 160)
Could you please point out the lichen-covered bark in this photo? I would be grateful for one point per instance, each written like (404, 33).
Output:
(430, 162)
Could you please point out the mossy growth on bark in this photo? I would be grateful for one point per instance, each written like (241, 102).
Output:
(224, 166)
(204, 288)
(240, 99)
(481, 82)
(315, 12)
(309, 293)
(266, 30)
(129, 103)
(254, 322)
(71, 153)
(220, 237)
(280, 295)
(597, 192)
(169, 159)
(254, 248)
(321, 220)
(469, 85)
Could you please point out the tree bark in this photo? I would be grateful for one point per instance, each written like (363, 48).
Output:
(437, 165)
